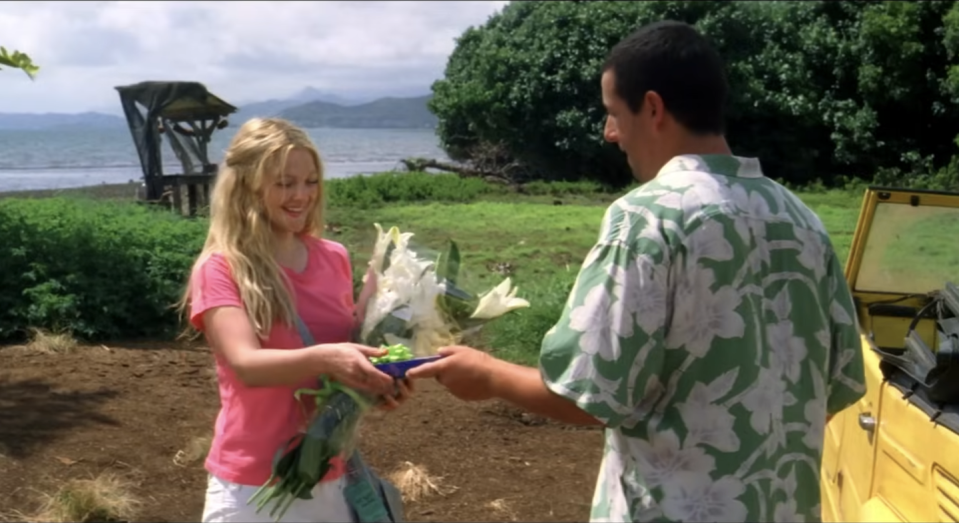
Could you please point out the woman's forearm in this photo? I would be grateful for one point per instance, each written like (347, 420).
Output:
(231, 336)
(277, 367)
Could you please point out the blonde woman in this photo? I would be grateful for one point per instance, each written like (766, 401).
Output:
(264, 262)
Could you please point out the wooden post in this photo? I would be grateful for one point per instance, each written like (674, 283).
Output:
(191, 199)
(177, 198)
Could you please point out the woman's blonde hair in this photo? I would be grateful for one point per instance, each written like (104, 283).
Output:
(240, 229)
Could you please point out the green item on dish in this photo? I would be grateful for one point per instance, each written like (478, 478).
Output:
(398, 352)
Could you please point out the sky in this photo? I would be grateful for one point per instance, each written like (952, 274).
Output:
(242, 51)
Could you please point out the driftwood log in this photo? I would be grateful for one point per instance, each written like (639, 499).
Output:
(421, 164)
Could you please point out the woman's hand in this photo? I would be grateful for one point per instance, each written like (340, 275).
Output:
(403, 391)
(349, 364)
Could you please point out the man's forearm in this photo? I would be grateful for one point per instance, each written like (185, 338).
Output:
(524, 387)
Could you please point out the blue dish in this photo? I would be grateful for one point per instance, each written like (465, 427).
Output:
(397, 369)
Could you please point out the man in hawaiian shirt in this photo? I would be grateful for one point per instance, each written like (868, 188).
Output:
(710, 330)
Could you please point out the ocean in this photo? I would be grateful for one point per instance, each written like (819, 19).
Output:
(76, 157)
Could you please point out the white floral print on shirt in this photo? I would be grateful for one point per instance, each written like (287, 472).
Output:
(711, 329)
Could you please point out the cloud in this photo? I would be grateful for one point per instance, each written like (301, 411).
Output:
(243, 51)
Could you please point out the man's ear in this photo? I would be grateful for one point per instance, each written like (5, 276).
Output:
(654, 108)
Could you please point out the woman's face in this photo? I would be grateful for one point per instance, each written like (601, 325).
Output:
(290, 197)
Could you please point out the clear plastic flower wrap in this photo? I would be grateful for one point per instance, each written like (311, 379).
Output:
(411, 297)
(301, 463)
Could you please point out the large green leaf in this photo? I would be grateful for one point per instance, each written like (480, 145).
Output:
(18, 60)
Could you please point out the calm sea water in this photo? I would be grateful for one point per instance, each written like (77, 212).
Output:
(63, 158)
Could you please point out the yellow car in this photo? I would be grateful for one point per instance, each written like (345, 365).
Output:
(894, 455)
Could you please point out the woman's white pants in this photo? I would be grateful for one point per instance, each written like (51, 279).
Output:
(226, 502)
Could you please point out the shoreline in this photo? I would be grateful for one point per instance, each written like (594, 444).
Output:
(103, 191)
(128, 190)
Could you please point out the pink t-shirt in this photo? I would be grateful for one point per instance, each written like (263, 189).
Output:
(254, 422)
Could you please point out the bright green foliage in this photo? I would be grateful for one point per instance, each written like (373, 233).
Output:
(397, 187)
(819, 90)
(18, 60)
(96, 269)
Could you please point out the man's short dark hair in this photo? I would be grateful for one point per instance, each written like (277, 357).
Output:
(678, 63)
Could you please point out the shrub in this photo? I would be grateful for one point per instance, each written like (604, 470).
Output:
(564, 188)
(405, 187)
(96, 269)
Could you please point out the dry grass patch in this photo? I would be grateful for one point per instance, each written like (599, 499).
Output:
(415, 483)
(51, 342)
(502, 509)
(195, 451)
(104, 498)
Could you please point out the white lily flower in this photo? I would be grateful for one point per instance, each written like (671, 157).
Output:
(383, 241)
(409, 289)
(379, 249)
(497, 302)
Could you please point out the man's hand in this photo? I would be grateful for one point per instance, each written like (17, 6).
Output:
(472, 375)
(467, 373)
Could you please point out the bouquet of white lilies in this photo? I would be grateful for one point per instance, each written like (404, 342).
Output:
(411, 304)
(410, 297)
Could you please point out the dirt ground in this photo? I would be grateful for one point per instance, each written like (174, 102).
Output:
(130, 410)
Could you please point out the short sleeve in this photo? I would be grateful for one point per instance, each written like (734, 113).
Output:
(847, 380)
(608, 345)
(344, 258)
(212, 286)
(337, 258)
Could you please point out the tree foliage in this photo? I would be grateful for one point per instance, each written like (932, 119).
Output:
(819, 90)
(18, 60)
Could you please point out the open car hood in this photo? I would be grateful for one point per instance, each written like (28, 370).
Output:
(906, 242)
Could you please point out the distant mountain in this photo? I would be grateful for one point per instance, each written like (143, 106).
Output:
(274, 107)
(37, 121)
(308, 107)
(312, 94)
(384, 113)
(259, 110)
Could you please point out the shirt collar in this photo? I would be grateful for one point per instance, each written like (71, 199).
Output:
(722, 164)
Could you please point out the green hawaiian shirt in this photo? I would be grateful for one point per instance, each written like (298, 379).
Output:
(711, 330)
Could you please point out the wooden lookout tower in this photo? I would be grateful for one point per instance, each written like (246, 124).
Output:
(187, 115)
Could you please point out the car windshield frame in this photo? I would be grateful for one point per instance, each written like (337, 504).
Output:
(906, 248)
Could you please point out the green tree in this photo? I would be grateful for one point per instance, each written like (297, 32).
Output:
(903, 63)
(529, 79)
(818, 89)
(18, 60)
